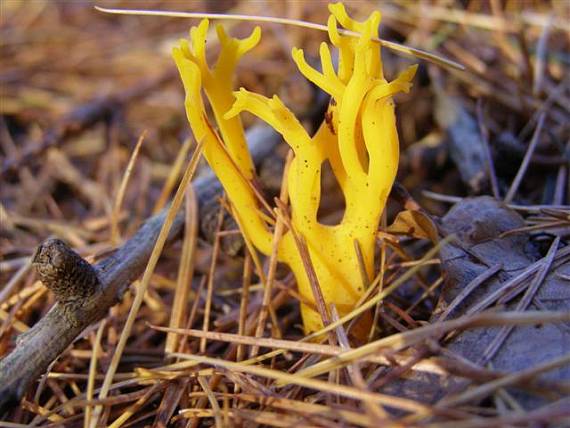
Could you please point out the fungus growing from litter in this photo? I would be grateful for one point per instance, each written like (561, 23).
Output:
(358, 138)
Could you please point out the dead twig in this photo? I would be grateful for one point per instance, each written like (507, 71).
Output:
(46, 340)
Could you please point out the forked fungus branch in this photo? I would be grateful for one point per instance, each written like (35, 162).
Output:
(358, 137)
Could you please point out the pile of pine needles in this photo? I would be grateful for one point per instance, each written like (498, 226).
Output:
(93, 140)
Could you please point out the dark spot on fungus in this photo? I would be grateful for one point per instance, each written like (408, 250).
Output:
(329, 121)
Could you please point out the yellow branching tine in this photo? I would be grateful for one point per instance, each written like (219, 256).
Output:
(358, 137)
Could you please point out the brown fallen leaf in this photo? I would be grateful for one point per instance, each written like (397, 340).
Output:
(486, 269)
(416, 224)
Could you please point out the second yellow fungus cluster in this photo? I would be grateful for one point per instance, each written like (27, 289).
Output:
(358, 138)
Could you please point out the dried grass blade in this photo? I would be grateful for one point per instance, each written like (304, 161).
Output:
(400, 341)
(141, 290)
(468, 289)
(211, 273)
(526, 161)
(213, 402)
(345, 391)
(375, 411)
(277, 234)
(135, 406)
(16, 278)
(523, 304)
(308, 265)
(244, 302)
(295, 346)
(115, 235)
(487, 388)
(415, 52)
(93, 371)
(185, 270)
(175, 171)
(383, 293)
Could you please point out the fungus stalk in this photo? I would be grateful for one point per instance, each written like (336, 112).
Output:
(358, 138)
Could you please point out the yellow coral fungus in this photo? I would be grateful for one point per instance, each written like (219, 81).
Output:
(358, 138)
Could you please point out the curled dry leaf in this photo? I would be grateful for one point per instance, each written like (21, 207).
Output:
(486, 268)
(414, 223)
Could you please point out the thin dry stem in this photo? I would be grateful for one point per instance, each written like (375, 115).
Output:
(277, 234)
(418, 53)
(186, 269)
(141, 290)
(115, 236)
